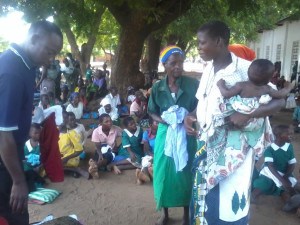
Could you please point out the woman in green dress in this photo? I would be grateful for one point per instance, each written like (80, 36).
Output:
(172, 188)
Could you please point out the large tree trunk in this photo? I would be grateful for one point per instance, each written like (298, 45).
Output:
(125, 66)
(152, 52)
(137, 22)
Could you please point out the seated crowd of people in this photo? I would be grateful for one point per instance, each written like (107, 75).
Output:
(123, 138)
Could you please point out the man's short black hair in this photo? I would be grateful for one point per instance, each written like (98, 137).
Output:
(216, 29)
(46, 27)
(279, 129)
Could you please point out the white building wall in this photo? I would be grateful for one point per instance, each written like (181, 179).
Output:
(283, 35)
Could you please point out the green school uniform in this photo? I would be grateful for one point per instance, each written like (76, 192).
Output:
(28, 149)
(281, 157)
(134, 141)
(172, 189)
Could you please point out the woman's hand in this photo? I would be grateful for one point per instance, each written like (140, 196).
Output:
(188, 125)
(238, 119)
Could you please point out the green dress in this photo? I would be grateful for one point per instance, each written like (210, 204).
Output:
(172, 189)
(134, 141)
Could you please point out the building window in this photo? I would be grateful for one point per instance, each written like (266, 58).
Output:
(268, 52)
(257, 53)
(278, 52)
(295, 51)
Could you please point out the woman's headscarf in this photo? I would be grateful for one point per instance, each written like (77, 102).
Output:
(168, 51)
(242, 51)
(73, 95)
(105, 101)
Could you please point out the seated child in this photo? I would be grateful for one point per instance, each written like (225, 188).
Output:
(75, 106)
(104, 138)
(107, 108)
(70, 147)
(83, 99)
(99, 80)
(276, 177)
(144, 174)
(296, 117)
(138, 108)
(130, 95)
(79, 129)
(80, 84)
(44, 103)
(114, 97)
(51, 98)
(131, 152)
(65, 93)
(32, 149)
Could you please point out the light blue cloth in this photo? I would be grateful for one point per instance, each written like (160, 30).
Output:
(33, 159)
(176, 143)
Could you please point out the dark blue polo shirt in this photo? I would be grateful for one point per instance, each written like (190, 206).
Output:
(17, 75)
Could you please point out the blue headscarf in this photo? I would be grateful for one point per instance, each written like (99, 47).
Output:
(74, 94)
(168, 51)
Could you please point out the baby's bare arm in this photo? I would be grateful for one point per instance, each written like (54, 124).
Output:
(229, 92)
(282, 93)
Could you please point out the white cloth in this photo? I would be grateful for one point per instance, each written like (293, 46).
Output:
(68, 70)
(78, 111)
(105, 101)
(113, 113)
(57, 109)
(115, 100)
(266, 172)
(40, 115)
(176, 143)
(207, 107)
(81, 130)
(131, 98)
(146, 161)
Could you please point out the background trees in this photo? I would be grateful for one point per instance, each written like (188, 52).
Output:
(137, 29)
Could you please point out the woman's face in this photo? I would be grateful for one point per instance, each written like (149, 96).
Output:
(174, 65)
(207, 46)
(107, 108)
(106, 123)
(75, 100)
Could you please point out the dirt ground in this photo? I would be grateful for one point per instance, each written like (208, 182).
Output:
(115, 199)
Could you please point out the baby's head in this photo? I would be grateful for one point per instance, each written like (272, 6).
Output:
(129, 124)
(261, 71)
(35, 132)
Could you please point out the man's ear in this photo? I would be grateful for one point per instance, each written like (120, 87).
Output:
(34, 39)
(219, 41)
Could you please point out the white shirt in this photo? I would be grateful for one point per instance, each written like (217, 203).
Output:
(209, 95)
(81, 130)
(113, 113)
(78, 111)
(114, 100)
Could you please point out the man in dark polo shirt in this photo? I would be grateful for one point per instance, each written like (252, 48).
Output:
(17, 73)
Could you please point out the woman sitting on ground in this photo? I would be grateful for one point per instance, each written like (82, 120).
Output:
(104, 137)
(70, 147)
(75, 106)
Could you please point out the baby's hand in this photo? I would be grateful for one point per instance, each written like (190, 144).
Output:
(221, 83)
(288, 85)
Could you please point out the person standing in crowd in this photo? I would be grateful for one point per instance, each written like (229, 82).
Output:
(222, 199)
(17, 73)
(172, 178)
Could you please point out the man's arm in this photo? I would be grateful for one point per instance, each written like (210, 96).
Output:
(9, 156)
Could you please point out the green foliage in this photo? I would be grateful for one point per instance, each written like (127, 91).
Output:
(3, 44)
